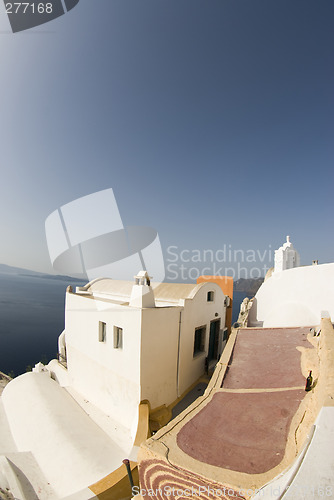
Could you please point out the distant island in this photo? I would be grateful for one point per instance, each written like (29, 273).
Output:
(18, 271)
(249, 285)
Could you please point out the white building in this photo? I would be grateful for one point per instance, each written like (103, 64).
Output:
(70, 424)
(126, 342)
(286, 257)
(299, 296)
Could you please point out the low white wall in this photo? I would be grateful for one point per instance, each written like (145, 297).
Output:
(71, 450)
(294, 297)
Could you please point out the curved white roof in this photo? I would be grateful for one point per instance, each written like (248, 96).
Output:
(171, 292)
(71, 450)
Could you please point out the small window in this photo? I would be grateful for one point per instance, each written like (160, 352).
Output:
(102, 331)
(211, 296)
(199, 340)
(118, 337)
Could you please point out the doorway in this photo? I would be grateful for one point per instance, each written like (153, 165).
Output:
(213, 340)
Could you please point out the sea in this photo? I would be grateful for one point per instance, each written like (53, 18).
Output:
(32, 314)
(31, 319)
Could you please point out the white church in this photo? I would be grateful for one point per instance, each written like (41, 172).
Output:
(286, 257)
(293, 295)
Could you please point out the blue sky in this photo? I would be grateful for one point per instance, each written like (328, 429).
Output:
(211, 120)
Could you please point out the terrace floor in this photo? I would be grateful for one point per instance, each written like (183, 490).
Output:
(249, 418)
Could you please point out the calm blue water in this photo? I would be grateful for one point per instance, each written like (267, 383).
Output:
(32, 318)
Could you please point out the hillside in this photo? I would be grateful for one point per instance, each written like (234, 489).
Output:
(18, 271)
(249, 286)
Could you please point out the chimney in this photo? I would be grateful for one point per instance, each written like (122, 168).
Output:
(142, 294)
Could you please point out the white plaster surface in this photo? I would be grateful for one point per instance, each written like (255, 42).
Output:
(24, 477)
(142, 296)
(114, 429)
(70, 449)
(108, 377)
(168, 367)
(294, 297)
(58, 372)
(196, 315)
(315, 477)
(7, 443)
(286, 257)
(84, 494)
(159, 355)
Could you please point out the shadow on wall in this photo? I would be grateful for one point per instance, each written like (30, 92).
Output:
(253, 314)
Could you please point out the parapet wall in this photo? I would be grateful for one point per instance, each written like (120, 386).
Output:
(294, 297)
(181, 454)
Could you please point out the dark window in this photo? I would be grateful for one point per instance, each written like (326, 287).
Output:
(211, 296)
(199, 340)
(118, 337)
(102, 331)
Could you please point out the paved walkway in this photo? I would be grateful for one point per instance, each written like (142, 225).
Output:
(246, 424)
(192, 395)
(267, 358)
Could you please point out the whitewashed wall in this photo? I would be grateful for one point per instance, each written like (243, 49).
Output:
(146, 367)
(159, 355)
(294, 297)
(198, 312)
(108, 377)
